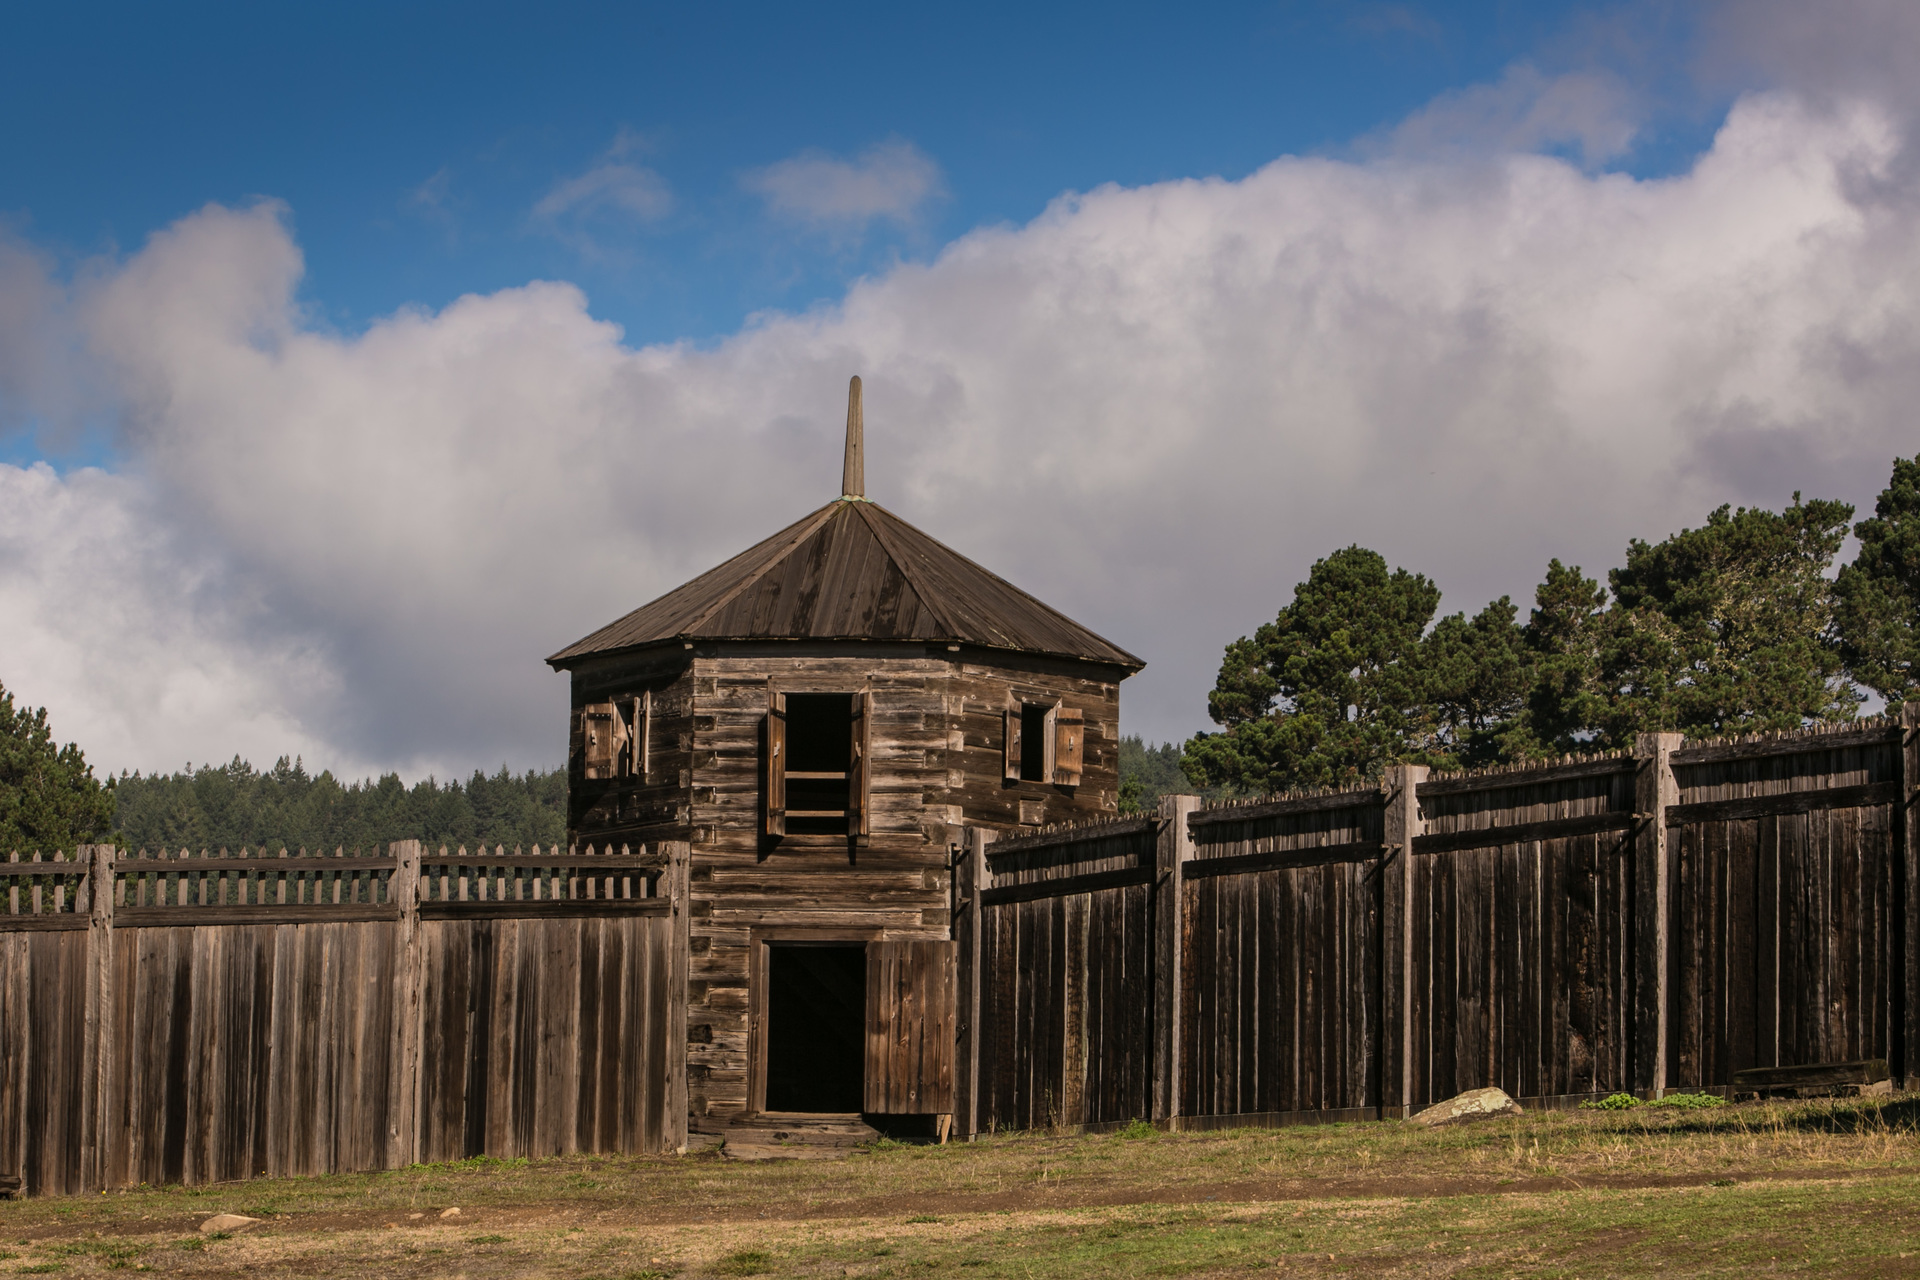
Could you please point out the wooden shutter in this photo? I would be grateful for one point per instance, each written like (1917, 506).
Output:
(1010, 748)
(776, 763)
(857, 771)
(910, 1003)
(640, 751)
(598, 731)
(1069, 737)
(1049, 740)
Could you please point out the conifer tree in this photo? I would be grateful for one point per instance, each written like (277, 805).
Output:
(1878, 595)
(49, 798)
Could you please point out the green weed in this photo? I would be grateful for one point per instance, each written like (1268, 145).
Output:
(1612, 1102)
(1688, 1102)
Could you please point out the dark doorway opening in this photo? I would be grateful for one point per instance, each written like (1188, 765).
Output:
(819, 747)
(816, 1027)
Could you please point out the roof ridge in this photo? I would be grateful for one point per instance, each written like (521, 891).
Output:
(906, 571)
(779, 556)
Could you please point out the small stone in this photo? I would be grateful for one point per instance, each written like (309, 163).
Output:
(412, 1216)
(226, 1222)
(450, 1213)
(1474, 1104)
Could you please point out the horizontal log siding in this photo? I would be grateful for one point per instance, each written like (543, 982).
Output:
(935, 739)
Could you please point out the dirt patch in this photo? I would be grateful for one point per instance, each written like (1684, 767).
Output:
(609, 1213)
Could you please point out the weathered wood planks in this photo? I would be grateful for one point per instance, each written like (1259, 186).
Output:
(1666, 919)
(261, 1016)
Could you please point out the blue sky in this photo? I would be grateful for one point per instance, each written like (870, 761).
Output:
(354, 358)
(414, 143)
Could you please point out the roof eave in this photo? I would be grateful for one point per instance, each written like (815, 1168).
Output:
(566, 661)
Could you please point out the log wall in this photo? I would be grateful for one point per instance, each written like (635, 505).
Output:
(200, 1019)
(936, 743)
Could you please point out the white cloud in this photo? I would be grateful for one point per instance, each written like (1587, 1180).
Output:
(892, 180)
(1153, 407)
(144, 653)
(1591, 113)
(617, 188)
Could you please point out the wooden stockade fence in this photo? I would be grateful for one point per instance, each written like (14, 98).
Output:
(1649, 920)
(200, 1018)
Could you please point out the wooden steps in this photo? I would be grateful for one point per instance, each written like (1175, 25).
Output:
(1814, 1080)
(797, 1137)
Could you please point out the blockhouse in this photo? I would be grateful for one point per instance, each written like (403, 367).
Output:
(817, 717)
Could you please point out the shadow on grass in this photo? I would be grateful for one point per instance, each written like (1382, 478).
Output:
(1839, 1116)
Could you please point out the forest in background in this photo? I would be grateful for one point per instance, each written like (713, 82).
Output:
(235, 806)
(1744, 623)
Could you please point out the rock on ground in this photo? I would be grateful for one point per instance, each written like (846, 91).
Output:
(1474, 1104)
(226, 1222)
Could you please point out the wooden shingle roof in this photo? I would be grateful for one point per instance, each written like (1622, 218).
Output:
(851, 571)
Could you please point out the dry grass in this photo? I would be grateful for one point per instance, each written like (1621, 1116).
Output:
(1813, 1189)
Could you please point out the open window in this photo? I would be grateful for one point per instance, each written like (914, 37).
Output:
(1045, 742)
(817, 771)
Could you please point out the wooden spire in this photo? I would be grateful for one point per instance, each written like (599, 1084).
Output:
(853, 477)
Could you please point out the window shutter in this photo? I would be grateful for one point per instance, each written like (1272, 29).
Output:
(1069, 737)
(1049, 741)
(1010, 760)
(641, 751)
(597, 731)
(857, 769)
(776, 763)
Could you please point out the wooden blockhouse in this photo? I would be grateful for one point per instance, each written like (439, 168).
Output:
(817, 717)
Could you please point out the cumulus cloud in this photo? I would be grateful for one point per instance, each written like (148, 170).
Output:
(891, 181)
(1152, 407)
(146, 653)
(39, 380)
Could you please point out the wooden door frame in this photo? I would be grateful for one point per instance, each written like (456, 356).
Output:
(757, 939)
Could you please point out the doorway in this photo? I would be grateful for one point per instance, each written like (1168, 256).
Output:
(816, 1027)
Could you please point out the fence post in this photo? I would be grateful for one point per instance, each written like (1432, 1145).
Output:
(962, 927)
(1654, 791)
(970, 927)
(404, 1075)
(96, 1090)
(1400, 823)
(679, 882)
(1909, 1047)
(1171, 854)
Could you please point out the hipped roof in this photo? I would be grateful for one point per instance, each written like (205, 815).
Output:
(851, 571)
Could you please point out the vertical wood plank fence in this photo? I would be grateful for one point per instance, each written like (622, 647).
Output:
(1654, 919)
(202, 1018)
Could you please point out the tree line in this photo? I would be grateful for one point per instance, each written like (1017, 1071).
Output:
(234, 806)
(1738, 625)
(49, 799)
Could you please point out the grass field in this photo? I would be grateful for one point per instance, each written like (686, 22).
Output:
(1813, 1189)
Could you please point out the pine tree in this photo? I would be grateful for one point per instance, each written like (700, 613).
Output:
(1729, 627)
(1328, 693)
(49, 798)
(1878, 595)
